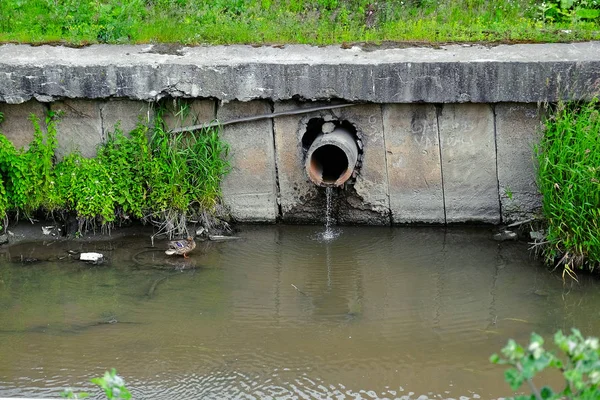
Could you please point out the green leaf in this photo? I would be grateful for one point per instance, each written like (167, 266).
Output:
(587, 13)
(566, 4)
(546, 393)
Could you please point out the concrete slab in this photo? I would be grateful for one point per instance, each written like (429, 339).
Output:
(448, 74)
(300, 199)
(17, 126)
(182, 112)
(469, 163)
(413, 163)
(365, 201)
(368, 199)
(125, 112)
(517, 131)
(250, 189)
(79, 127)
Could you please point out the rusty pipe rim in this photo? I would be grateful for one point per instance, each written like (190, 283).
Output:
(331, 158)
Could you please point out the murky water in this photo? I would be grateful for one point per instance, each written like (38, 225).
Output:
(376, 313)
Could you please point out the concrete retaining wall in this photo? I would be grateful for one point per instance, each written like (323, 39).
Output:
(446, 134)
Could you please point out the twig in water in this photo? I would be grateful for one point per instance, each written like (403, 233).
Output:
(519, 223)
(295, 287)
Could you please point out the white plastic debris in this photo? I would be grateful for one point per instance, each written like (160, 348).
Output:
(90, 256)
(221, 238)
(46, 230)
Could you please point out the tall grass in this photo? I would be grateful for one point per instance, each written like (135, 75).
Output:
(569, 180)
(290, 21)
(152, 175)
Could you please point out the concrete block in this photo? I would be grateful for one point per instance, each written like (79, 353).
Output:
(413, 163)
(517, 131)
(363, 202)
(370, 204)
(525, 73)
(469, 163)
(125, 112)
(181, 112)
(250, 189)
(300, 199)
(79, 127)
(17, 126)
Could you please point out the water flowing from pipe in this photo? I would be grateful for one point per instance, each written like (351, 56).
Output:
(330, 232)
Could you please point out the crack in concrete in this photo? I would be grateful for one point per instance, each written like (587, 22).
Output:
(496, 161)
(101, 112)
(276, 164)
(387, 175)
(438, 111)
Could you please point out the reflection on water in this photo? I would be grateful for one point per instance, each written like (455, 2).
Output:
(376, 313)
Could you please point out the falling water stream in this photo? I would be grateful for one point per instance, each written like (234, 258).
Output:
(330, 233)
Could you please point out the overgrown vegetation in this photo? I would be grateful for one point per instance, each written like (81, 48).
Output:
(150, 175)
(569, 181)
(296, 21)
(580, 368)
(111, 383)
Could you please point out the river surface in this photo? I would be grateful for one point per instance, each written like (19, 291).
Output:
(376, 313)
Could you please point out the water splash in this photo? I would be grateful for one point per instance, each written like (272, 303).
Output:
(330, 232)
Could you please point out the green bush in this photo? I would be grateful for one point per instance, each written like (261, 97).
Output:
(26, 175)
(569, 181)
(567, 10)
(111, 383)
(580, 368)
(157, 176)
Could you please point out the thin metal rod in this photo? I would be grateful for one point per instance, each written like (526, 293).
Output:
(259, 117)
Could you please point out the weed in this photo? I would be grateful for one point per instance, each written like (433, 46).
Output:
(296, 21)
(111, 383)
(569, 181)
(569, 10)
(580, 368)
(154, 176)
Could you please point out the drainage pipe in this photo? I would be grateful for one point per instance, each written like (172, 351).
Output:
(331, 158)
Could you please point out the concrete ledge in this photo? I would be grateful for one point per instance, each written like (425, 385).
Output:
(450, 74)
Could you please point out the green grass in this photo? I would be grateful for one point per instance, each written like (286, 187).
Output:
(320, 22)
(569, 181)
(151, 175)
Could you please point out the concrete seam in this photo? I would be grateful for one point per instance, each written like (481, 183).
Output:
(101, 112)
(438, 110)
(277, 187)
(496, 160)
(387, 173)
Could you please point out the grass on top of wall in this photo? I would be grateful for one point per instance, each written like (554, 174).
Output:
(569, 181)
(318, 22)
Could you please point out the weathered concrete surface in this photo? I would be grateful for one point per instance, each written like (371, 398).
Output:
(250, 189)
(17, 126)
(127, 113)
(300, 200)
(365, 201)
(450, 74)
(517, 132)
(413, 163)
(368, 199)
(79, 127)
(469, 163)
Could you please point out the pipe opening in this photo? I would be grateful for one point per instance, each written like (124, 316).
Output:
(332, 151)
(329, 162)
